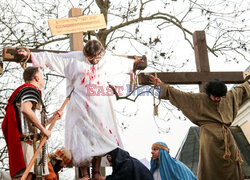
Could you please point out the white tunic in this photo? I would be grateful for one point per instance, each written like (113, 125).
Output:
(157, 175)
(90, 127)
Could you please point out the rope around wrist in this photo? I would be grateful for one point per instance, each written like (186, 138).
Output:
(24, 60)
(154, 104)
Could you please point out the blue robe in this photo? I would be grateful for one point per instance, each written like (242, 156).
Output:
(170, 168)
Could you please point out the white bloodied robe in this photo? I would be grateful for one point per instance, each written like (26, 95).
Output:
(90, 127)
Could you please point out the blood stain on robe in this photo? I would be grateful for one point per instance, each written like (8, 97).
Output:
(93, 69)
(117, 142)
(83, 80)
(101, 126)
(91, 73)
(87, 104)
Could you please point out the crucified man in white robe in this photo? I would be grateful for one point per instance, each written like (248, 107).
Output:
(90, 128)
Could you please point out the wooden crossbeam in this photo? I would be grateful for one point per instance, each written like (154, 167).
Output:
(194, 77)
(76, 39)
(10, 53)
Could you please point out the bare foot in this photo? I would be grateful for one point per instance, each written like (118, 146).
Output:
(85, 177)
(97, 176)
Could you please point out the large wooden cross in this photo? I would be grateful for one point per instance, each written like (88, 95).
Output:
(203, 74)
(76, 24)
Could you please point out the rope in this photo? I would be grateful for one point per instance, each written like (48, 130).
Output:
(131, 83)
(24, 60)
(154, 104)
(133, 78)
(227, 153)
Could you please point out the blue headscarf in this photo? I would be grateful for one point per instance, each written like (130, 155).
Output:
(170, 168)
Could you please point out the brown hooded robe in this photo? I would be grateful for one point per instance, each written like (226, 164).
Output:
(219, 155)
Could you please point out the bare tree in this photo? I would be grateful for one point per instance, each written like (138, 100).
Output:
(24, 22)
(152, 27)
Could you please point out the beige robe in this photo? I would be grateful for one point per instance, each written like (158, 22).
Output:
(219, 155)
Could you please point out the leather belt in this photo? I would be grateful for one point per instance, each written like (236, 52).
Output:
(27, 138)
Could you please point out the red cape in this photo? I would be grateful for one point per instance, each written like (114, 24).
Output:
(11, 134)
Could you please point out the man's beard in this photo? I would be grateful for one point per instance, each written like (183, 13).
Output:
(94, 62)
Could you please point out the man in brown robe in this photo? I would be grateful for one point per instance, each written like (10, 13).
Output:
(213, 111)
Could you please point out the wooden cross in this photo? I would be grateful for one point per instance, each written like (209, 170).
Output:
(203, 74)
(76, 39)
(77, 22)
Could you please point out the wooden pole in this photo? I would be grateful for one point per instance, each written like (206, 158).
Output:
(76, 39)
(201, 55)
(27, 170)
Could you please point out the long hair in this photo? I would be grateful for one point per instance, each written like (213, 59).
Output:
(93, 48)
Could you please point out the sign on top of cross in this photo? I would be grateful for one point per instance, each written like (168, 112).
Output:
(203, 74)
(75, 25)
